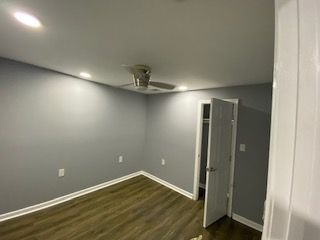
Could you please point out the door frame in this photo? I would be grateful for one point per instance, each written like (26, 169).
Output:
(294, 167)
(233, 146)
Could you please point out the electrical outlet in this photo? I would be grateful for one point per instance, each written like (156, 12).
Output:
(61, 172)
(163, 162)
(242, 147)
(120, 159)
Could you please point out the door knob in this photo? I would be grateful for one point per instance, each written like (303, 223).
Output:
(211, 169)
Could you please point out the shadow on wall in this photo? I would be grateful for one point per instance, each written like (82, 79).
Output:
(302, 226)
(251, 167)
(309, 230)
(171, 134)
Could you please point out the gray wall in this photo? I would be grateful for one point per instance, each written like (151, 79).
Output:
(50, 121)
(171, 134)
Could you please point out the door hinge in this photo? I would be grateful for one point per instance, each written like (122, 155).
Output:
(264, 210)
(211, 169)
(228, 200)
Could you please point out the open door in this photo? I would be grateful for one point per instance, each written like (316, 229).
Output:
(218, 163)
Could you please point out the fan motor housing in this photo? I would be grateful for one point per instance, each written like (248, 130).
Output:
(142, 81)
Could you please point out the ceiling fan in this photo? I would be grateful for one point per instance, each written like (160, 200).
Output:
(141, 78)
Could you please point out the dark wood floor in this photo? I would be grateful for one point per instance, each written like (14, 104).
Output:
(135, 209)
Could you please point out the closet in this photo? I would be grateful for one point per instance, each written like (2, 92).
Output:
(204, 148)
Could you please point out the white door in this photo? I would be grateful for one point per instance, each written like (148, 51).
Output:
(218, 163)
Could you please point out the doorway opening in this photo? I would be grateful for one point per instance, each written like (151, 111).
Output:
(203, 145)
(204, 149)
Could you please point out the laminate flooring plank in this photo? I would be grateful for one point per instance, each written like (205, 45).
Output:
(138, 208)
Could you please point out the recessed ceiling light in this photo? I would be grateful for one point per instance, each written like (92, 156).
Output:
(85, 75)
(27, 19)
(183, 88)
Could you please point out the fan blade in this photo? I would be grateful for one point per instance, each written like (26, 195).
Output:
(125, 85)
(162, 85)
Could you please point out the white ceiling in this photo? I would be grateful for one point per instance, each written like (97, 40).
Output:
(197, 43)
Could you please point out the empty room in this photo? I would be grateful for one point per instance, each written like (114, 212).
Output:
(174, 119)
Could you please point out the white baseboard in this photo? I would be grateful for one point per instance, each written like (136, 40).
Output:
(50, 203)
(247, 222)
(168, 185)
(53, 202)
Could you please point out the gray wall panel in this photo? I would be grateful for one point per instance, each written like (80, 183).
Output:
(50, 121)
(171, 134)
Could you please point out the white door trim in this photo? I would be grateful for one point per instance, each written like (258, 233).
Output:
(233, 151)
(293, 199)
(198, 150)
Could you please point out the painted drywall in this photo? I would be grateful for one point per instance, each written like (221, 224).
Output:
(230, 41)
(171, 134)
(49, 121)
